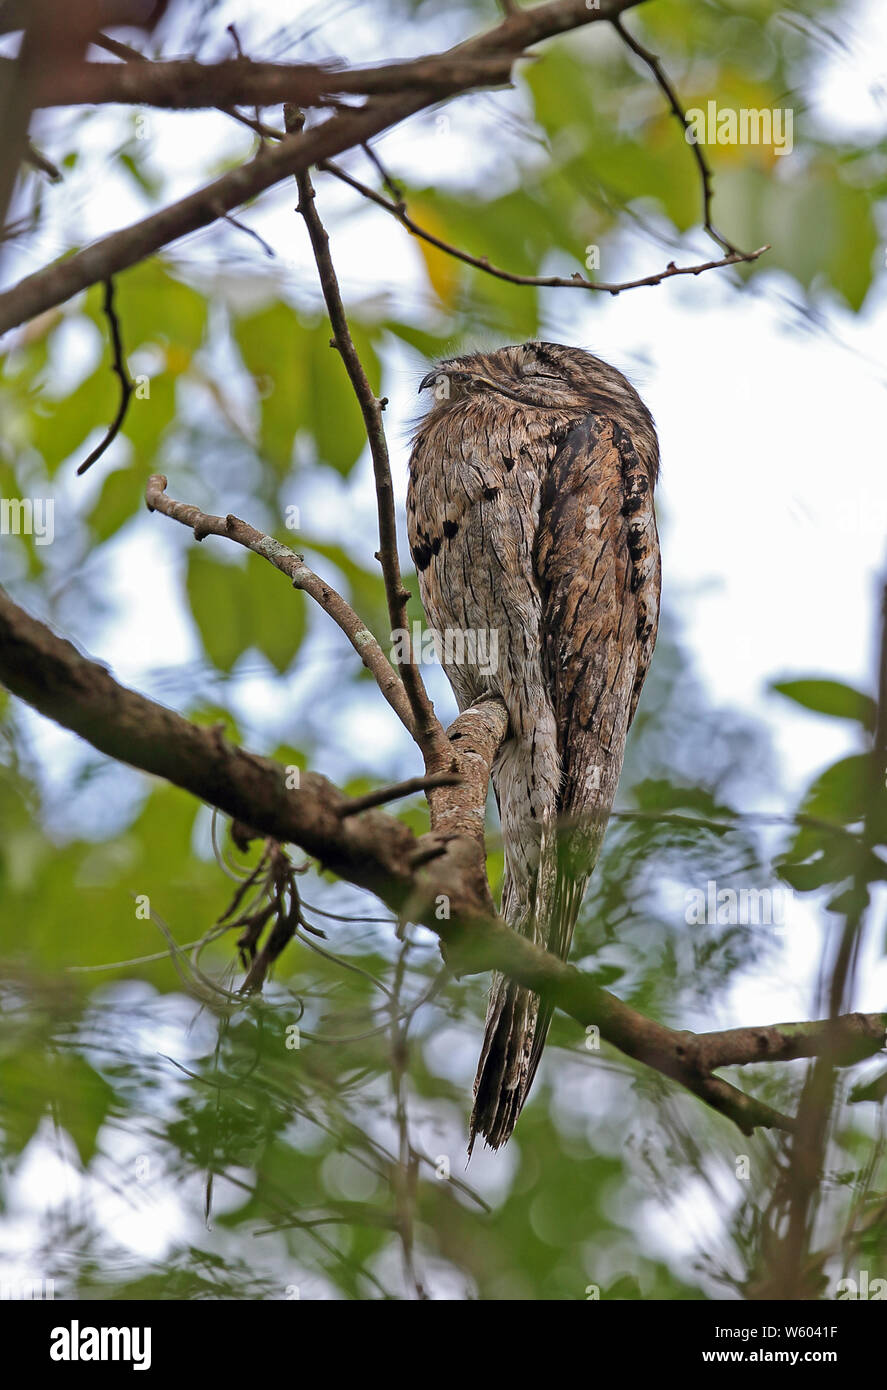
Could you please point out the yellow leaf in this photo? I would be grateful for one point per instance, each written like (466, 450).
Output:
(443, 271)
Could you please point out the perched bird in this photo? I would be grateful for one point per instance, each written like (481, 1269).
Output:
(531, 526)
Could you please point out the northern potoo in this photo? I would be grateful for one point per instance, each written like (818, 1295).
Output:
(531, 525)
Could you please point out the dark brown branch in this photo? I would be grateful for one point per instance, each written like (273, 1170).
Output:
(118, 366)
(397, 790)
(37, 160)
(132, 55)
(429, 732)
(576, 281)
(503, 45)
(185, 84)
(375, 850)
(293, 565)
(111, 254)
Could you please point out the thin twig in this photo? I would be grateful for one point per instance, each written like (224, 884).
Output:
(397, 790)
(251, 232)
(576, 281)
(676, 106)
(293, 565)
(429, 731)
(118, 366)
(37, 159)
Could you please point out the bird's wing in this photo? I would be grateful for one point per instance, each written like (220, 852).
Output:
(598, 570)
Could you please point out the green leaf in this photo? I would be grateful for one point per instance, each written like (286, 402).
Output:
(83, 1100)
(152, 409)
(875, 1090)
(37, 1082)
(272, 348)
(843, 793)
(152, 307)
(241, 607)
(122, 495)
(334, 417)
(60, 428)
(302, 384)
(216, 593)
(830, 697)
(278, 615)
(23, 1087)
(840, 236)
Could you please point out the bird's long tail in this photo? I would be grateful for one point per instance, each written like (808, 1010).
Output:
(517, 1020)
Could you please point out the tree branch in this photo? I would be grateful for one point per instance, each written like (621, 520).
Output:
(502, 46)
(111, 254)
(292, 565)
(429, 732)
(186, 84)
(377, 852)
(576, 281)
(397, 790)
(705, 174)
(118, 366)
(132, 55)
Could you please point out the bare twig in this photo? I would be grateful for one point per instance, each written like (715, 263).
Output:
(677, 109)
(118, 366)
(398, 790)
(292, 565)
(37, 159)
(251, 232)
(576, 281)
(428, 730)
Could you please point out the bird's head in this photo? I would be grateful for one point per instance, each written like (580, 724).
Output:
(545, 376)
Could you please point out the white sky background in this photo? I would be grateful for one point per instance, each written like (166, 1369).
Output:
(774, 487)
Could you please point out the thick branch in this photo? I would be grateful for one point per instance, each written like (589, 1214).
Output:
(855, 1037)
(60, 281)
(377, 852)
(108, 256)
(185, 84)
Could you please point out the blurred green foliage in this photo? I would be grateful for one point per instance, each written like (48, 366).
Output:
(161, 1093)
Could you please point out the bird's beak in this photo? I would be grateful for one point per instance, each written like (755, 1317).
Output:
(453, 373)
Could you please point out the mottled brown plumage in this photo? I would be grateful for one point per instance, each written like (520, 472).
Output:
(530, 516)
